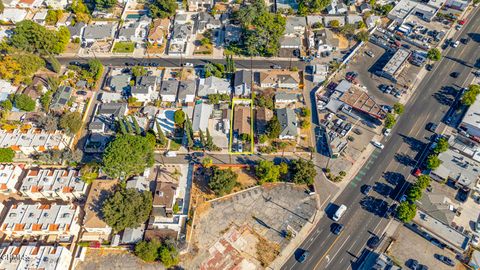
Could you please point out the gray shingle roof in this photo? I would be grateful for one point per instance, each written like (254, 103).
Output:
(112, 109)
(169, 87)
(99, 31)
(76, 30)
(241, 77)
(120, 82)
(186, 88)
(288, 122)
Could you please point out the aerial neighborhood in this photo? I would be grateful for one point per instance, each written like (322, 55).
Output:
(239, 135)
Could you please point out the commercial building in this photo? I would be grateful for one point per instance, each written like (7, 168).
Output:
(53, 184)
(426, 10)
(471, 121)
(395, 65)
(458, 168)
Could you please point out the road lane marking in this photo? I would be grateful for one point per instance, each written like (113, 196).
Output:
(334, 255)
(325, 254)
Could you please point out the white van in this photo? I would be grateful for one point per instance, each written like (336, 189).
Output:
(339, 213)
(171, 154)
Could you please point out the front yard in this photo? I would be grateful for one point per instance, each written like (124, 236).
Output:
(124, 47)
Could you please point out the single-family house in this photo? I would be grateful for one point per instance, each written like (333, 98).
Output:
(242, 82)
(61, 98)
(186, 91)
(213, 85)
(329, 18)
(120, 83)
(325, 41)
(242, 119)
(13, 15)
(133, 235)
(196, 5)
(40, 16)
(205, 21)
(94, 227)
(295, 26)
(76, 30)
(136, 31)
(98, 32)
(65, 19)
(201, 115)
(279, 79)
(233, 34)
(145, 89)
(365, 7)
(30, 3)
(106, 116)
(262, 116)
(57, 4)
(354, 19)
(179, 38)
(158, 31)
(9, 176)
(282, 97)
(288, 123)
(168, 90)
(372, 21)
(140, 183)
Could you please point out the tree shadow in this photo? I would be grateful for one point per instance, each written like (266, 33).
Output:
(404, 159)
(415, 144)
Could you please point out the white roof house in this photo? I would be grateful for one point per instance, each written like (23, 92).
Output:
(13, 15)
(9, 176)
(26, 219)
(32, 141)
(35, 257)
(214, 85)
(471, 120)
(53, 184)
(201, 115)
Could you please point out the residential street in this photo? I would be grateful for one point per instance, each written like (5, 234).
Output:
(428, 104)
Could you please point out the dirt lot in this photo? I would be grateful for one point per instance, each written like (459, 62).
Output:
(409, 245)
(112, 259)
(264, 213)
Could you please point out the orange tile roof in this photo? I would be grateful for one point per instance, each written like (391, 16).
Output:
(18, 227)
(36, 227)
(53, 227)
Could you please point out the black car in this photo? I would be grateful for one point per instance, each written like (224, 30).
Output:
(446, 260)
(373, 242)
(304, 257)
(465, 40)
(366, 189)
(337, 229)
(391, 210)
(429, 67)
(432, 127)
(455, 74)
(81, 93)
(414, 265)
(422, 267)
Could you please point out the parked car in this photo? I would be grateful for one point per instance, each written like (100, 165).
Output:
(170, 154)
(432, 127)
(465, 40)
(429, 67)
(276, 67)
(373, 242)
(338, 228)
(81, 93)
(339, 213)
(329, 116)
(391, 210)
(386, 132)
(446, 260)
(188, 64)
(455, 44)
(414, 264)
(366, 189)
(378, 145)
(455, 74)
(475, 240)
(304, 256)
(370, 53)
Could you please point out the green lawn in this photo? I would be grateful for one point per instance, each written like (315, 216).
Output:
(123, 47)
(175, 144)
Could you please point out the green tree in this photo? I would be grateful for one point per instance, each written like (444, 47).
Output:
(45, 100)
(127, 208)
(266, 171)
(303, 172)
(138, 71)
(162, 8)
(423, 181)
(398, 108)
(6, 105)
(406, 211)
(433, 162)
(207, 162)
(414, 193)
(305, 112)
(162, 140)
(283, 168)
(147, 250)
(263, 138)
(2, 7)
(32, 37)
(222, 181)
(434, 54)
(121, 126)
(138, 130)
(89, 172)
(6, 155)
(71, 122)
(179, 117)
(202, 138)
(390, 120)
(361, 25)
(470, 95)
(273, 128)
(53, 16)
(305, 124)
(24, 102)
(334, 24)
(95, 68)
(55, 65)
(362, 36)
(104, 4)
(127, 155)
(168, 255)
(442, 146)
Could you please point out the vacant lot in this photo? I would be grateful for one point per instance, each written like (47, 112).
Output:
(269, 212)
(124, 47)
(112, 259)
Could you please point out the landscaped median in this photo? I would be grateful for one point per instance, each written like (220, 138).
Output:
(124, 47)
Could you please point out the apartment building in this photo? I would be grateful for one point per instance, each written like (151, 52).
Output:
(53, 184)
(34, 257)
(34, 140)
(27, 219)
(9, 176)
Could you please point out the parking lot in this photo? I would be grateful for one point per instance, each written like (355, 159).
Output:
(409, 246)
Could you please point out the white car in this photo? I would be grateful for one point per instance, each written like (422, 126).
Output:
(378, 145)
(188, 65)
(455, 45)
(170, 154)
(386, 132)
(475, 240)
(329, 116)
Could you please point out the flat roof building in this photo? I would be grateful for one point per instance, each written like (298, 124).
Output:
(471, 121)
(395, 65)
(34, 256)
(9, 177)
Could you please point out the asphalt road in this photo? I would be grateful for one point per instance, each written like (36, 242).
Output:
(177, 62)
(429, 103)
